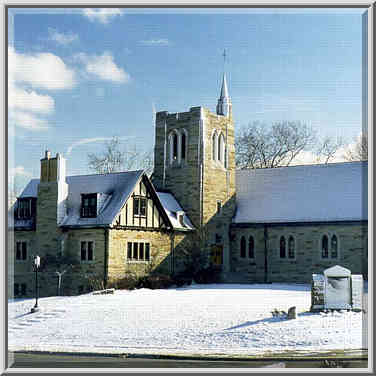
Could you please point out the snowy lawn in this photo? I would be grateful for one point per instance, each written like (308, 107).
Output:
(205, 319)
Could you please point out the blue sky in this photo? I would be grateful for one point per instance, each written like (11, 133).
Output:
(78, 77)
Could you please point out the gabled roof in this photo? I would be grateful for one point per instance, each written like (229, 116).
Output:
(309, 193)
(172, 207)
(114, 189)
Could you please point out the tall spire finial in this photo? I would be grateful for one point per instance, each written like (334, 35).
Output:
(224, 102)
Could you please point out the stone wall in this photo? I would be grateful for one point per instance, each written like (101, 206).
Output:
(352, 252)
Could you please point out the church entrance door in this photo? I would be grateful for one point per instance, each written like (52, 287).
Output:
(216, 254)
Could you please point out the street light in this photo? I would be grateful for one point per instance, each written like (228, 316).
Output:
(36, 266)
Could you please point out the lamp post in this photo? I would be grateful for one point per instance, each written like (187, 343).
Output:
(36, 266)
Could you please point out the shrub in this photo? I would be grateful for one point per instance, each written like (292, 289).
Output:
(209, 274)
(183, 279)
(156, 281)
(129, 282)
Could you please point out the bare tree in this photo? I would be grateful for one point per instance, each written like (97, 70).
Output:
(114, 159)
(360, 150)
(327, 148)
(60, 265)
(262, 146)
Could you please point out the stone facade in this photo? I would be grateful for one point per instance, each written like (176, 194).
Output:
(204, 180)
(195, 162)
(352, 251)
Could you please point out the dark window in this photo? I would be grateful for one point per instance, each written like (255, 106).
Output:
(19, 289)
(135, 251)
(87, 251)
(139, 206)
(214, 144)
(242, 247)
(89, 205)
(324, 247)
(251, 247)
(282, 247)
(147, 251)
(220, 141)
(21, 250)
(291, 247)
(24, 208)
(183, 146)
(90, 250)
(141, 251)
(218, 238)
(174, 146)
(334, 247)
(138, 251)
(129, 255)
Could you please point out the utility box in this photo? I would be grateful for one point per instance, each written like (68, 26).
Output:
(336, 289)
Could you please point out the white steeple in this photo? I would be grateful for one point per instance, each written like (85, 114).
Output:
(224, 101)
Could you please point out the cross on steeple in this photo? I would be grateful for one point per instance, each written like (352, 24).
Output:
(224, 101)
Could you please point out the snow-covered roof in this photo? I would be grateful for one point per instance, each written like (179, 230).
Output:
(114, 190)
(327, 192)
(172, 208)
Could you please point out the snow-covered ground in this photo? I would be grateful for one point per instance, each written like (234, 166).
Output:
(205, 319)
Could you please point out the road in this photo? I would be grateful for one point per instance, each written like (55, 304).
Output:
(27, 360)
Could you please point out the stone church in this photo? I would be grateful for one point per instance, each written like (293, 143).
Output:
(266, 225)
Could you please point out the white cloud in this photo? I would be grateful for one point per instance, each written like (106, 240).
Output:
(28, 121)
(29, 100)
(61, 38)
(19, 170)
(42, 70)
(91, 140)
(27, 72)
(156, 42)
(103, 15)
(103, 67)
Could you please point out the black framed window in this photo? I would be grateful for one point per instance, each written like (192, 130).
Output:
(334, 247)
(87, 251)
(325, 247)
(242, 247)
(251, 247)
(21, 251)
(138, 251)
(282, 247)
(24, 208)
(139, 206)
(89, 205)
(291, 247)
(183, 146)
(174, 146)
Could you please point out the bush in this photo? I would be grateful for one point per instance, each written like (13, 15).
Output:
(181, 280)
(210, 274)
(130, 282)
(156, 281)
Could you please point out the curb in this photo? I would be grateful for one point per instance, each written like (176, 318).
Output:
(332, 355)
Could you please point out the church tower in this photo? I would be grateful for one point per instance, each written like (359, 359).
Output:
(195, 161)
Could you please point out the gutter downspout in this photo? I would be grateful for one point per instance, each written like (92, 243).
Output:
(106, 242)
(172, 252)
(266, 254)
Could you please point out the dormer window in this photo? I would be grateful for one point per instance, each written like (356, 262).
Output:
(24, 208)
(89, 205)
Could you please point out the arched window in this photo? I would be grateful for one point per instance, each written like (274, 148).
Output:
(251, 247)
(242, 247)
(282, 247)
(183, 146)
(174, 146)
(291, 247)
(221, 148)
(324, 247)
(214, 145)
(334, 247)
